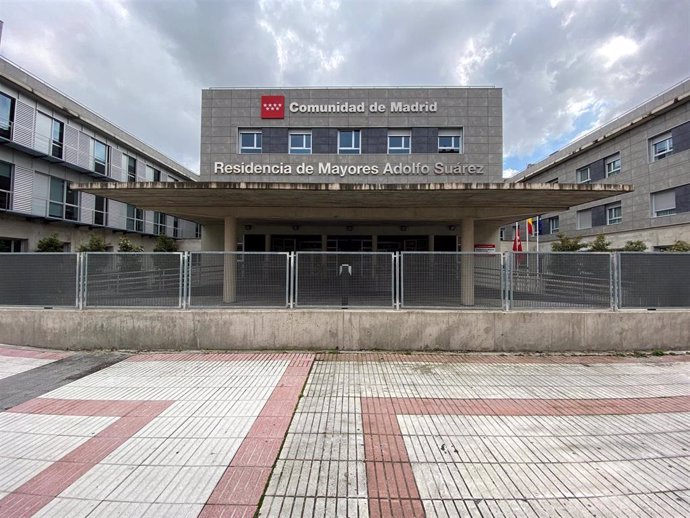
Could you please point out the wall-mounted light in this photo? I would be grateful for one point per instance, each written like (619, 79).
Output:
(451, 227)
(403, 228)
(295, 227)
(349, 228)
(247, 227)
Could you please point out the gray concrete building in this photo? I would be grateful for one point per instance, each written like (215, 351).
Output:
(649, 148)
(48, 143)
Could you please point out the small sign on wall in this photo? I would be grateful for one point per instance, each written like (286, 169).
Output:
(485, 248)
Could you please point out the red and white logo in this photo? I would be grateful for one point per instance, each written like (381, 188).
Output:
(272, 106)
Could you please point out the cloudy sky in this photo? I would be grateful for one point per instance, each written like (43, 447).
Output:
(565, 66)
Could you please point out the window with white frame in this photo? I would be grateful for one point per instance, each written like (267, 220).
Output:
(553, 180)
(64, 202)
(300, 142)
(135, 219)
(99, 154)
(614, 214)
(6, 115)
(49, 136)
(100, 212)
(5, 186)
(399, 142)
(502, 234)
(250, 142)
(129, 163)
(153, 174)
(159, 223)
(583, 175)
(664, 203)
(661, 146)
(349, 142)
(450, 141)
(584, 219)
(554, 225)
(612, 165)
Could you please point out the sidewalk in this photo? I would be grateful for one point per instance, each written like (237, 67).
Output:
(192, 434)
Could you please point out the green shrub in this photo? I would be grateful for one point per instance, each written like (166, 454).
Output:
(125, 245)
(50, 244)
(634, 246)
(600, 244)
(679, 246)
(95, 243)
(165, 244)
(567, 244)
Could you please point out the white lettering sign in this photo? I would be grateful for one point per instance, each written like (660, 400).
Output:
(347, 107)
(342, 170)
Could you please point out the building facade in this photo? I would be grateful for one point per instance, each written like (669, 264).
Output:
(49, 142)
(347, 136)
(648, 147)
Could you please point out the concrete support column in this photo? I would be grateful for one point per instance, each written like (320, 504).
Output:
(230, 261)
(374, 243)
(431, 243)
(267, 242)
(467, 263)
(324, 242)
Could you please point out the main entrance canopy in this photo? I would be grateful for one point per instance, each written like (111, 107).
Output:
(322, 208)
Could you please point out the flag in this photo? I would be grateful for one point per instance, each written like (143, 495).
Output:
(517, 244)
(530, 227)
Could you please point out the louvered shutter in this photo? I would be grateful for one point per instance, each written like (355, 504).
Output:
(88, 206)
(71, 145)
(148, 222)
(39, 198)
(116, 171)
(23, 189)
(84, 159)
(117, 214)
(24, 120)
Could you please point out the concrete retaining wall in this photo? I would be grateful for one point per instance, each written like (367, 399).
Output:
(548, 331)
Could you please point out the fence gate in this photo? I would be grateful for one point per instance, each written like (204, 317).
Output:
(344, 279)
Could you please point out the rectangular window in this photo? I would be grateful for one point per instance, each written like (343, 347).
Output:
(612, 165)
(99, 152)
(349, 142)
(64, 202)
(661, 146)
(197, 231)
(6, 116)
(100, 213)
(131, 165)
(553, 180)
(300, 143)
(250, 142)
(399, 142)
(613, 214)
(664, 203)
(153, 174)
(554, 225)
(450, 141)
(135, 219)
(159, 223)
(176, 227)
(10, 245)
(57, 140)
(502, 234)
(584, 219)
(583, 175)
(5, 186)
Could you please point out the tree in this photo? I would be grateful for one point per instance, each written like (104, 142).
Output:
(95, 243)
(634, 246)
(679, 246)
(50, 244)
(567, 244)
(600, 244)
(125, 245)
(165, 244)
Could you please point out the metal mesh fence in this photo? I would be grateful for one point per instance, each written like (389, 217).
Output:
(251, 279)
(654, 280)
(133, 279)
(451, 279)
(335, 279)
(40, 279)
(559, 280)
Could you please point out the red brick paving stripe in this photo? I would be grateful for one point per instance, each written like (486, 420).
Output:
(391, 486)
(295, 359)
(239, 490)
(30, 353)
(40, 490)
(498, 359)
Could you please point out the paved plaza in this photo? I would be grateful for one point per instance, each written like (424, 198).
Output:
(369, 434)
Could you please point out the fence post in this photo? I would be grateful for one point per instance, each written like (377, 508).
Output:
(85, 280)
(292, 280)
(509, 279)
(79, 281)
(614, 280)
(397, 280)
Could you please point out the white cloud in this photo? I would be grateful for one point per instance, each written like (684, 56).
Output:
(508, 173)
(616, 48)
